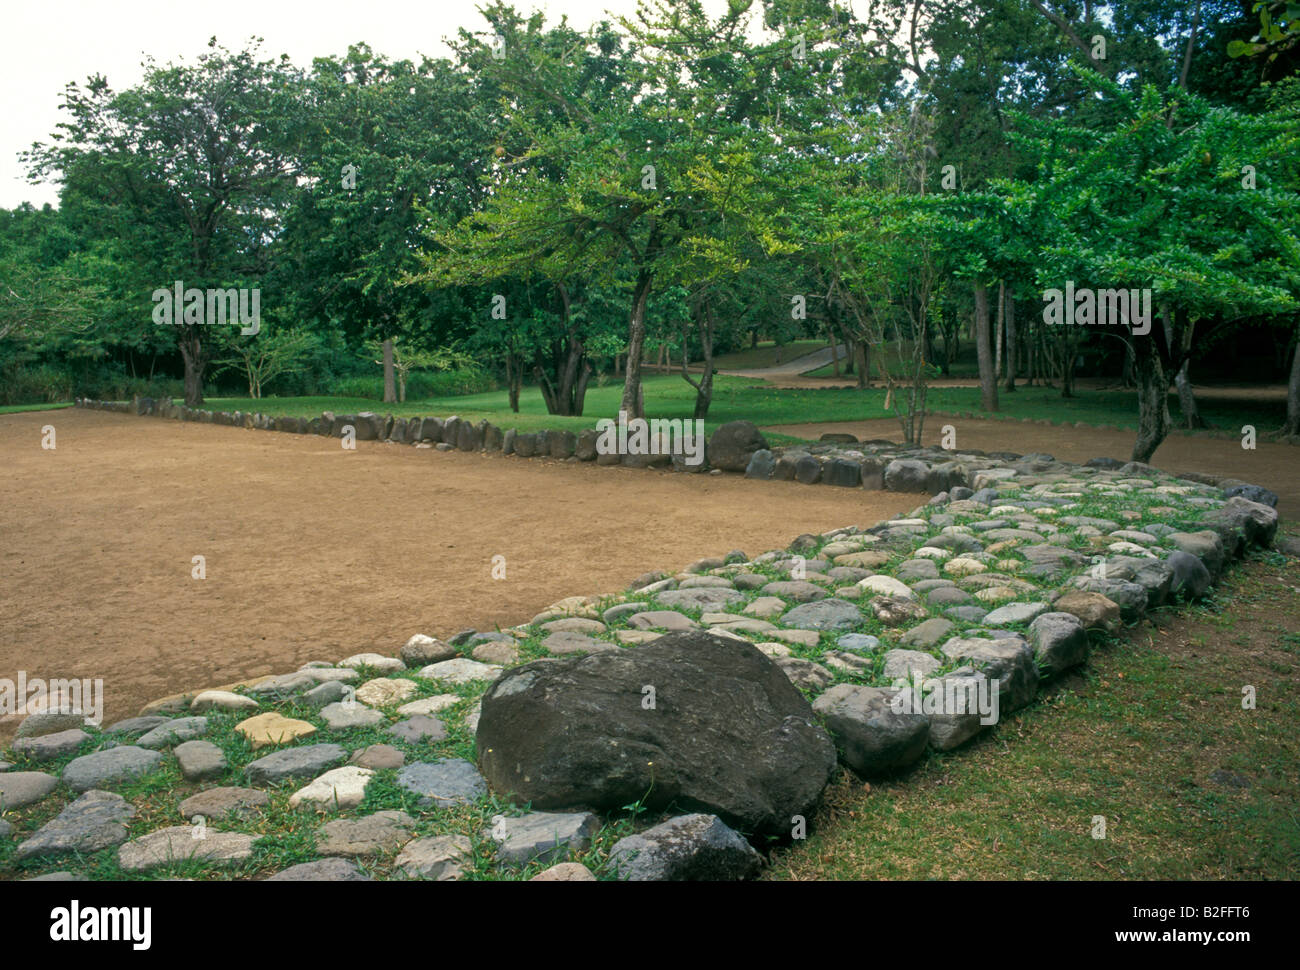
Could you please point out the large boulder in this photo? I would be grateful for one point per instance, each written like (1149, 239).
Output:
(871, 736)
(695, 720)
(733, 445)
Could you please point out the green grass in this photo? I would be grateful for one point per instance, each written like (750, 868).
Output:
(15, 408)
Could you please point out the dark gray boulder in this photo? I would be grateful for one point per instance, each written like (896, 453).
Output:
(723, 731)
(686, 848)
(734, 444)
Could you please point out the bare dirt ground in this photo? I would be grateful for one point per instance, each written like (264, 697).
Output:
(314, 553)
(1275, 466)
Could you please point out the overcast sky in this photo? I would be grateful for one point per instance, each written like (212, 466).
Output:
(47, 43)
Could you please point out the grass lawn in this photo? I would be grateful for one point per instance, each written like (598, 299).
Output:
(737, 398)
(15, 408)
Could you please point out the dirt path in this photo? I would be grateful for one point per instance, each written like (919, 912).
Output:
(1274, 466)
(313, 553)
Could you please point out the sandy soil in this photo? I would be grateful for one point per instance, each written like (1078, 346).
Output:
(1275, 466)
(314, 553)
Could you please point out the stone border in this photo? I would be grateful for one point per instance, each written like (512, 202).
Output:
(737, 446)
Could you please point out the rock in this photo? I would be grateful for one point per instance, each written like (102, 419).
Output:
(322, 870)
(1015, 613)
(733, 445)
(1008, 661)
(375, 661)
(95, 821)
(136, 725)
(366, 836)
(689, 847)
(49, 747)
(565, 872)
(264, 730)
(100, 768)
(199, 760)
(761, 465)
(348, 715)
(294, 764)
(894, 611)
(728, 733)
(339, 788)
(178, 843)
(378, 757)
(1190, 577)
(1130, 597)
(1253, 523)
(909, 665)
(385, 691)
(808, 470)
(1059, 642)
(562, 644)
(429, 705)
(326, 694)
(906, 475)
(1096, 612)
(1254, 493)
(707, 598)
(871, 737)
(886, 586)
(495, 652)
(826, 614)
(460, 671)
(420, 729)
(544, 836)
(799, 590)
(661, 619)
(222, 700)
(444, 783)
(441, 858)
(421, 650)
(49, 722)
(218, 803)
(927, 634)
(1205, 545)
(173, 732)
(954, 713)
(858, 642)
(844, 473)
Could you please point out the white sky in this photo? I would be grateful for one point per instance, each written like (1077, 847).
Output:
(47, 43)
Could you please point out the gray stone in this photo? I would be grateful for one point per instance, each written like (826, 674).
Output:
(661, 619)
(330, 692)
(871, 737)
(858, 642)
(199, 760)
(761, 465)
(1190, 577)
(906, 475)
(421, 650)
(1205, 545)
(927, 634)
(123, 763)
(420, 729)
(322, 870)
(1015, 613)
(545, 836)
(49, 747)
(444, 783)
(441, 858)
(177, 844)
(799, 590)
(909, 664)
(733, 445)
(378, 757)
(1008, 660)
(94, 821)
(366, 836)
(808, 470)
(687, 848)
(346, 716)
(563, 643)
(217, 803)
(294, 764)
(136, 725)
(174, 731)
(728, 732)
(1059, 642)
(49, 722)
(956, 717)
(825, 614)
(708, 598)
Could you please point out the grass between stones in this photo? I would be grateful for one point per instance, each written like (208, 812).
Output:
(1127, 739)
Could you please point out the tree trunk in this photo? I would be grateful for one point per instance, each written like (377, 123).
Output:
(191, 347)
(390, 391)
(1153, 399)
(1292, 427)
(1002, 316)
(1011, 343)
(862, 363)
(1186, 399)
(514, 380)
(983, 350)
(632, 398)
(835, 355)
